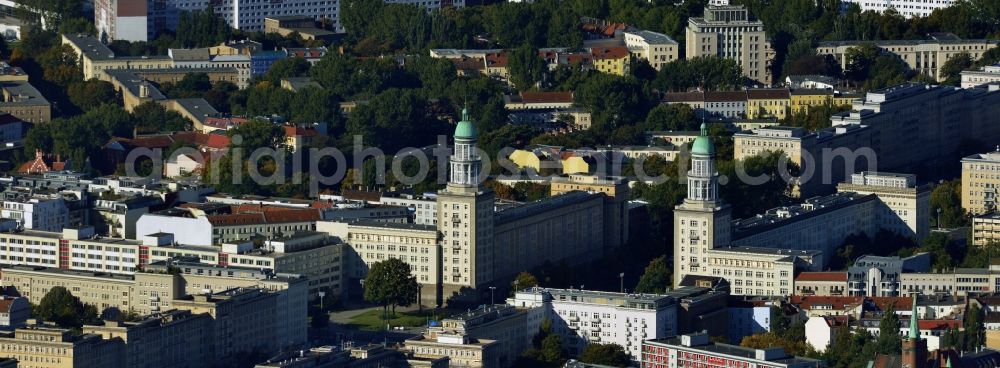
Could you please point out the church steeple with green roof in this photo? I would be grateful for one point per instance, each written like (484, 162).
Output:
(914, 322)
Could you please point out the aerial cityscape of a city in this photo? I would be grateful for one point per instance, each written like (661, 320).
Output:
(500, 183)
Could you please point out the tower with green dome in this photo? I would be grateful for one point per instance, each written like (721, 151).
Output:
(702, 222)
(465, 220)
(465, 162)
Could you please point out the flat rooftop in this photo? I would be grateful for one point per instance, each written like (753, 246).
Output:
(735, 351)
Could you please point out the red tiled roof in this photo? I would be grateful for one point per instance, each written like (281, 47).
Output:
(496, 60)
(899, 302)
(292, 131)
(361, 195)
(5, 305)
(42, 163)
(466, 63)
(822, 276)
(616, 52)
(834, 321)
(546, 97)
(938, 324)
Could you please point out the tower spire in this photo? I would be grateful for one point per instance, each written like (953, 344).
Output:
(914, 325)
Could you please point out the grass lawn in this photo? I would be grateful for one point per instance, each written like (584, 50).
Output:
(372, 320)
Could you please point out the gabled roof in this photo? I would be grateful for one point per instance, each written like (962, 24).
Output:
(496, 60)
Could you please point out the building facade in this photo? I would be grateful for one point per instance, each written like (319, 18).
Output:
(924, 56)
(729, 32)
(988, 74)
(980, 180)
(697, 350)
(582, 317)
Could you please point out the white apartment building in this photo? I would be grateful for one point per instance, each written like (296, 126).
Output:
(133, 20)
(205, 225)
(729, 32)
(310, 254)
(581, 317)
(46, 214)
(906, 8)
(988, 74)
(657, 48)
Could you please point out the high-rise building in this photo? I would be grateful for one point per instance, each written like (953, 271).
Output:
(465, 216)
(702, 221)
(729, 32)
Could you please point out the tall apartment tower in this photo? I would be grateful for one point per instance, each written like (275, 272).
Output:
(728, 32)
(465, 219)
(702, 222)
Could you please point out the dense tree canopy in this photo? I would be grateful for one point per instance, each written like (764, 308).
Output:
(64, 309)
(389, 283)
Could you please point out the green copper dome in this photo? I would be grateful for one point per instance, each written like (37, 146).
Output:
(703, 144)
(465, 128)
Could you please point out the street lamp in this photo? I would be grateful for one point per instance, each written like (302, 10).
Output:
(321, 295)
(621, 277)
(491, 294)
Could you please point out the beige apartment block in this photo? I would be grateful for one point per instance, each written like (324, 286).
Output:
(924, 56)
(251, 319)
(905, 206)
(821, 283)
(374, 241)
(729, 32)
(100, 290)
(980, 180)
(50, 347)
(170, 339)
(657, 48)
